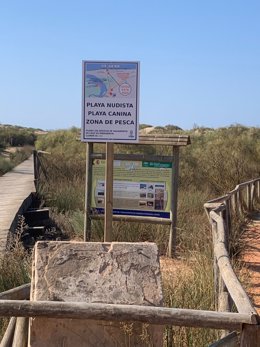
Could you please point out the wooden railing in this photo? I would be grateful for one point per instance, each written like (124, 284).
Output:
(39, 168)
(14, 303)
(223, 214)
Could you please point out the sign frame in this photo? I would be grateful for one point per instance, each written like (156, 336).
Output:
(175, 142)
(110, 115)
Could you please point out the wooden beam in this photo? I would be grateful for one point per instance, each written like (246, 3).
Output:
(166, 139)
(135, 157)
(160, 139)
(137, 219)
(19, 293)
(109, 312)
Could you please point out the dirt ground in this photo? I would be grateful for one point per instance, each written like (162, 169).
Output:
(251, 257)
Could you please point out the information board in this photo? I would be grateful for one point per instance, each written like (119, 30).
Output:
(110, 102)
(140, 188)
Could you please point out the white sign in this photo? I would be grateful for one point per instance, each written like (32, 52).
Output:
(110, 102)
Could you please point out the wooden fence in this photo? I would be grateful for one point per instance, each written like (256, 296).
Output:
(222, 213)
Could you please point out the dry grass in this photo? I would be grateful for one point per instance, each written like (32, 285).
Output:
(15, 267)
(188, 284)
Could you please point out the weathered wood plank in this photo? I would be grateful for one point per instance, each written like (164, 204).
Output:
(108, 312)
(234, 287)
(21, 332)
(19, 293)
(165, 138)
(134, 157)
(161, 139)
(137, 219)
(19, 183)
(163, 142)
(7, 339)
(231, 340)
(250, 336)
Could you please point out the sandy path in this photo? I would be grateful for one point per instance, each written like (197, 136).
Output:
(251, 257)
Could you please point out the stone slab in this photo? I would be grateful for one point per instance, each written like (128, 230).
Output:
(115, 273)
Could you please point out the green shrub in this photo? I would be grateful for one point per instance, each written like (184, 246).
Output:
(16, 136)
(5, 166)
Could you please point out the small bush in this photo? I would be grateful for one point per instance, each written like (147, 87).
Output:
(5, 166)
(14, 159)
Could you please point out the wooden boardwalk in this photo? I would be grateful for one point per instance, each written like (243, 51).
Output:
(16, 187)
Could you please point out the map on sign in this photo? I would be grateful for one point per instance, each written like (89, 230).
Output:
(113, 81)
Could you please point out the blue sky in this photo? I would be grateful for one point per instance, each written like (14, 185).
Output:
(200, 60)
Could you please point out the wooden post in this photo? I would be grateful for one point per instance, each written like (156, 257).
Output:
(87, 219)
(169, 336)
(21, 332)
(223, 295)
(250, 336)
(252, 195)
(223, 302)
(35, 170)
(227, 222)
(34, 165)
(233, 203)
(215, 264)
(174, 199)
(239, 204)
(248, 198)
(7, 339)
(257, 190)
(109, 192)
